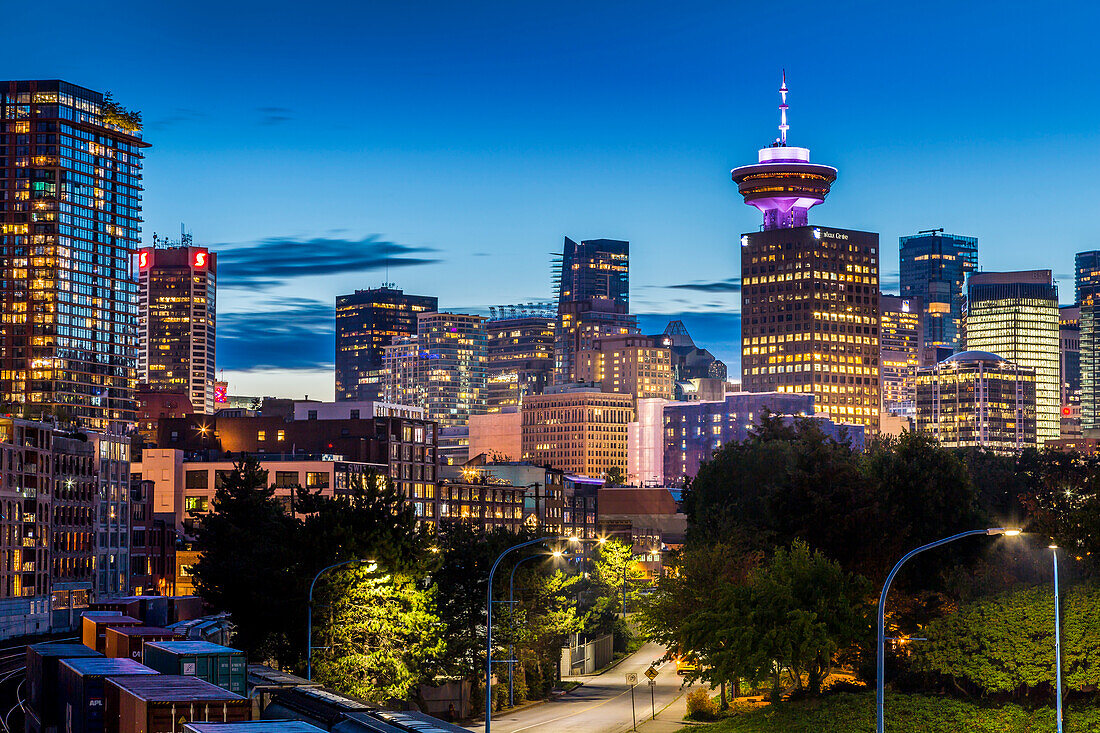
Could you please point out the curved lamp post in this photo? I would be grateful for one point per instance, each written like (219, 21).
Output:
(512, 608)
(880, 692)
(489, 621)
(309, 644)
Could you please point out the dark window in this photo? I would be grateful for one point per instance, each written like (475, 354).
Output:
(195, 480)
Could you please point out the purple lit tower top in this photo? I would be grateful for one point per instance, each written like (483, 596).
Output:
(784, 184)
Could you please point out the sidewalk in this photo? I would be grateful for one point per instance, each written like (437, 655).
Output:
(670, 718)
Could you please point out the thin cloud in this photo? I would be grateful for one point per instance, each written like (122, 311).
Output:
(288, 333)
(274, 115)
(177, 116)
(273, 261)
(730, 285)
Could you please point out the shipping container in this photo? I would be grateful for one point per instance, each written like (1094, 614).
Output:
(163, 703)
(154, 610)
(94, 628)
(216, 664)
(125, 606)
(184, 608)
(42, 663)
(81, 693)
(255, 726)
(125, 642)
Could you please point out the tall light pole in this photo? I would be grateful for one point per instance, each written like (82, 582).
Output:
(309, 627)
(511, 609)
(880, 693)
(489, 622)
(1057, 641)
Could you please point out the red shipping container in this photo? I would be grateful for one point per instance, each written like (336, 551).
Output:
(93, 628)
(125, 642)
(163, 703)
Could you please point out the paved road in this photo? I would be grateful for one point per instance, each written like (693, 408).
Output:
(601, 705)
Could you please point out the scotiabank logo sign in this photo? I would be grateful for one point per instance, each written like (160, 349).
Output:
(201, 256)
(144, 259)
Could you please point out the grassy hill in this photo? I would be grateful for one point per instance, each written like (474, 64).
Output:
(855, 713)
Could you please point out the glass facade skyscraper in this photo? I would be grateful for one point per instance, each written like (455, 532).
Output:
(901, 342)
(367, 321)
(593, 289)
(1015, 316)
(442, 369)
(70, 222)
(1087, 286)
(934, 267)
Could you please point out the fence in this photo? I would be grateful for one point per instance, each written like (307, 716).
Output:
(582, 657)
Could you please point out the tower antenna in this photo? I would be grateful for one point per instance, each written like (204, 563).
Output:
(783, 126)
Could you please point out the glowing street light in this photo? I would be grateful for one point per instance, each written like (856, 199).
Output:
(880, 693)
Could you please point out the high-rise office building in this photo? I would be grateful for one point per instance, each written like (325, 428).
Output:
(809, 295)
(442, 369)
(900, 345)
(366, 322)
(1087, 287)
(934, 267)
(520, 354)
(1069, 338)
(594, 269)
(176, 321)
(978, 399)
(70, 223)
(593, 291)
(636, 365)
(1015, 315)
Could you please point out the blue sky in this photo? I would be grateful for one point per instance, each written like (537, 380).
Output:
(460, 142)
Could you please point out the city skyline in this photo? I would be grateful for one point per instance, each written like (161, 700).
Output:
(474, 159)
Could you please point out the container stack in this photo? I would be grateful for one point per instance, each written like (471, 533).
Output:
(94, 628)
(213, 663)
(126, 642)
(81, 689)
(43, 703)
(163, 703)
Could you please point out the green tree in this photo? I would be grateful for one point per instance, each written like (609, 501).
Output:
(923, 493)
(688, 612)
(381, 634)
(614, 567)
(461, 578)
(248, 565)
(785, 482)
(548, 602)
(802, 609)
(616, 476)
(1006, 644)
(1064, 502)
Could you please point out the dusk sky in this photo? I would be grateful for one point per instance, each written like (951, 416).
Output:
(309, 144)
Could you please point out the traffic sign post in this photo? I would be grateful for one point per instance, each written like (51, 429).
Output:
(632, 679)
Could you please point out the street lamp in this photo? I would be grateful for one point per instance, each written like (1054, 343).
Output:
(512, 608)
(489, 620)
(1057, 641)
(880, 693)
(309, 644)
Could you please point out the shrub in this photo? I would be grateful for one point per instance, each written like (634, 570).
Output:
(700, 705)
(1006, 644)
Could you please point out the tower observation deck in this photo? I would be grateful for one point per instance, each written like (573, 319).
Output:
(783, 184)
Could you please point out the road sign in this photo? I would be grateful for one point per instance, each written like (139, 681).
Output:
(651, 673)
(631, 678)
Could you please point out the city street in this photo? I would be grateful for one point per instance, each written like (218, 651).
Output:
(602, 704)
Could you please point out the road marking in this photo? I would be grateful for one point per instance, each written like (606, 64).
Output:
(579, 712)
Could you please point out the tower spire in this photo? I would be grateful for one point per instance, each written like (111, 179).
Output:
(783, 126)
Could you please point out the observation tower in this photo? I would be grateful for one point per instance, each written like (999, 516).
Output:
(783, 184)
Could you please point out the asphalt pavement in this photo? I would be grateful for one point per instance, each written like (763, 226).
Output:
(602, 704)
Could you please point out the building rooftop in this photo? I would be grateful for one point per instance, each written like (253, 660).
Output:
(971, 356)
